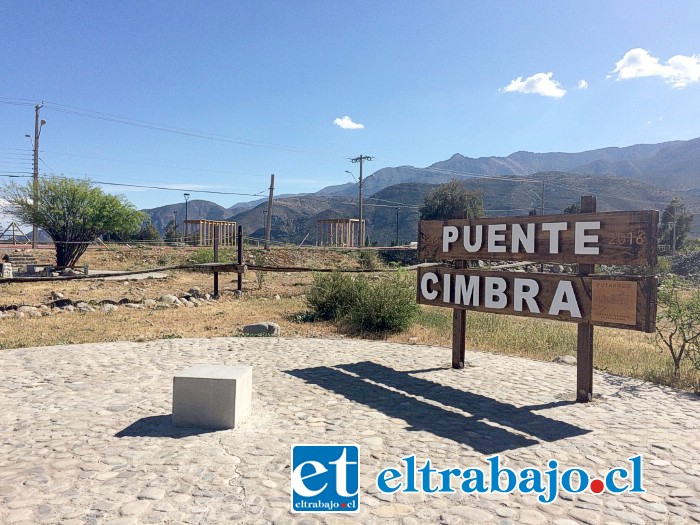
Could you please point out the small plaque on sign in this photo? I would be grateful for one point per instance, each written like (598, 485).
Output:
(614, 302)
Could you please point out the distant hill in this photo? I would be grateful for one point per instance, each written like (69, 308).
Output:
(644, 176)
(676, 163)
(294, 217)
(196, 209)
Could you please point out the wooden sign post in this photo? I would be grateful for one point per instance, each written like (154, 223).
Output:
(586, 239)
(584, 336)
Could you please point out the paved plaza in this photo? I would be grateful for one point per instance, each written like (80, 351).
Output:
(86, 437)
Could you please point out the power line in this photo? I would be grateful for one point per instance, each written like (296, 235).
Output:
(16, 102)
(143, 186)
(210, 192)
(72, 110)
(227, 172)
(469, 174)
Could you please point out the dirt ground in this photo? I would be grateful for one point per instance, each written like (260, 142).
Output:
(268, 296)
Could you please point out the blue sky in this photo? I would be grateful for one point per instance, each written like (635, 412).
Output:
(219, 95)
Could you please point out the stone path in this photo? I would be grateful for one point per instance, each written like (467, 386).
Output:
(85, 434)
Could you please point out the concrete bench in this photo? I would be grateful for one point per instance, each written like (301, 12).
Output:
(212, 396)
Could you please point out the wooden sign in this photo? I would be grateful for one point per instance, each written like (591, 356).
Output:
(586, 239)
(614, 301)
(628, 303)
(627, 238)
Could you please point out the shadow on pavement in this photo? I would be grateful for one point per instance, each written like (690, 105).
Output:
(159, 426)
(464, 417)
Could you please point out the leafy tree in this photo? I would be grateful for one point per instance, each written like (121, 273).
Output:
(452, 201)
(678, 323)
(73, 212)
(675, 214)
(573, 208)
(148, 232)
(171, 233)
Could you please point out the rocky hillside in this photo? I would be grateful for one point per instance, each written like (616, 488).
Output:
(644, 176)
(676, 163)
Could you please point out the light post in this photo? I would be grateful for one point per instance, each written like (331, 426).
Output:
(187, 197)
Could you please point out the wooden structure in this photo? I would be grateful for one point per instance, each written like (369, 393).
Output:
(338, 232)
(13, 228)
(585, 239)
(200, 232)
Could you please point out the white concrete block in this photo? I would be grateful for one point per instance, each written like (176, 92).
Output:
(212, 396)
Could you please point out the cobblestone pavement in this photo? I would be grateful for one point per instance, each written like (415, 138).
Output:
(85, 434)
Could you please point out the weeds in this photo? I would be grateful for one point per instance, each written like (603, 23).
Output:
(374, 306)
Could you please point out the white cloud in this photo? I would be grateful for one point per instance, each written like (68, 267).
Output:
(539, 84)
(679, 70)
(582, 84)
(347, 123)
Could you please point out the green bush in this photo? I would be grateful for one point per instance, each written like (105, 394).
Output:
(333, 295)
(369, 260)
(385, 305)
(366, 305)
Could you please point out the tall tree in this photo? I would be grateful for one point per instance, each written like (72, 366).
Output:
(573, 208)
(148, 232)
(170, 234)
(451, 201)
(675, 225)
(73, 212)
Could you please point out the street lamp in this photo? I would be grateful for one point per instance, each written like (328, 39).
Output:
(187, 197)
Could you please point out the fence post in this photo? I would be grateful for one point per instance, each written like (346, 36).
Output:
(216, 259)
(459, 332)
(584, 340)
(240, 258)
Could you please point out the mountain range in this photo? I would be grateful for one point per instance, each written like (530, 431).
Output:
(643, 176)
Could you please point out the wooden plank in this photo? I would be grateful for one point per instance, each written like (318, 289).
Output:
(626, 238)
(584, 363)
(584, 334)
(223, 267)
(216, 259)
(548, 286)
(459, 333)
(239, 250)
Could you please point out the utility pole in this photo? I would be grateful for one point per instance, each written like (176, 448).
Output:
(361, 234)
(674, 229)
(542, 213)
(542, 208)
(186, 226)
(176, 235)
(35, 189)
(268, 221)
(397, 226)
